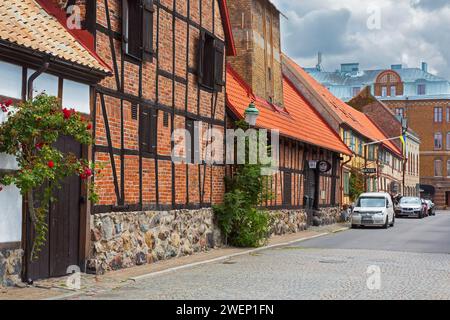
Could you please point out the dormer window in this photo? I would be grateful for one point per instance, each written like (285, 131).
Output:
(421, 89)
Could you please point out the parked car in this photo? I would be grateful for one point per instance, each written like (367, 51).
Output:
(411, 207)
(430, 208)
(373, 209)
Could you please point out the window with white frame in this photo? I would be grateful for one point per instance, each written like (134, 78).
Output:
(438, 114)
(421, 89)
(11, 86)
(438, 168)
(384, 91)
(393, 91)
(438, 141)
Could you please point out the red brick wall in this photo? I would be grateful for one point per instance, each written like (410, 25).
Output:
(169, 83)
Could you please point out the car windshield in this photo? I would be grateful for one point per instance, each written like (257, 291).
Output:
(371, 202)
(411, 201)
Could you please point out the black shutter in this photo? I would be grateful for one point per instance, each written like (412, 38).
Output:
(189, 143)
(201, 56)
(144, 130)
(153, 130)
(219, 56)
(125, 24)
(287, 189)
(147, 33)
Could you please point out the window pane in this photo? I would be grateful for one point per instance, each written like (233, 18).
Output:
(76, 95)
(438, 168)
(393, 91)
(438, 141)
(448, 168)
(45, 83)
(12, 87)
(10, 215)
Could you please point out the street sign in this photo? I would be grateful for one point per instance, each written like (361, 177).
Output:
(323, 166)
(369, 170)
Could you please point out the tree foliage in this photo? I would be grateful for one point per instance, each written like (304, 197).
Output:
(239, 217)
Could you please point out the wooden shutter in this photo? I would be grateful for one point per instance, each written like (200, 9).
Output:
(147, 32)
(153, 130)
(144, 130)
(189, 143)
(219, 56)
(201, 56)
(148, 130)
(125, 24)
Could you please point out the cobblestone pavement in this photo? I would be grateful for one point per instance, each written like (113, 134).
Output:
(317, 269)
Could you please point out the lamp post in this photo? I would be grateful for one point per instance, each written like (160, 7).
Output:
(251, 114)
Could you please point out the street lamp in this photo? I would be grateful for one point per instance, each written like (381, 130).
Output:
(251, 114)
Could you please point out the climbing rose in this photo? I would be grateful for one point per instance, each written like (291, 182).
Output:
(39, 145)
(8, 102)
(68, 113)
(51, 164)
(89, 126)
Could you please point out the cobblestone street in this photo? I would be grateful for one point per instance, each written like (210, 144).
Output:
(413, 258)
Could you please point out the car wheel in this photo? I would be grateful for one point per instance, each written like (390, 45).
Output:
(421, 215)
(393, 221)
(355, 226)
(386, 224)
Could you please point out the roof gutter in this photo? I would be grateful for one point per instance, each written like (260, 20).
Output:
(34, 76)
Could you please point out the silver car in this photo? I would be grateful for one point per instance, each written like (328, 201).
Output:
(410, 207)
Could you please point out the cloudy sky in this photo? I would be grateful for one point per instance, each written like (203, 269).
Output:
(374, 33)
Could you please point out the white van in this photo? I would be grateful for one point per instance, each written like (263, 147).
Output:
(374, 209)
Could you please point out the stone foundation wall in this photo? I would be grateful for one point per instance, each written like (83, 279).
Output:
(326, 216)
(287, 221)
(10, 267)
(122, 240)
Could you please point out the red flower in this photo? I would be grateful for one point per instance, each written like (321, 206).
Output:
(68, 113)
(39, 145)
(89, 126)
(51, 164)
(8, 102)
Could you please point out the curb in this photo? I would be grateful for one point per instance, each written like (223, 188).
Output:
(228, 257)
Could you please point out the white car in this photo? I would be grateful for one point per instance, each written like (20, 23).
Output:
(374, 209)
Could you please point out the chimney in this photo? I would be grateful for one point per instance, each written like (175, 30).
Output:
(256, 30)
(424, 67)
(396, 67)
(349, 67)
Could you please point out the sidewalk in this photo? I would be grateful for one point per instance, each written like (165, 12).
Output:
(92, 284)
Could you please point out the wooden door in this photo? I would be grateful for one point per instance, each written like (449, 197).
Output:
(63, 239)
(310, 192)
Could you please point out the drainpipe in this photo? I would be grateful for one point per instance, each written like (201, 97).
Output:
(34, 76)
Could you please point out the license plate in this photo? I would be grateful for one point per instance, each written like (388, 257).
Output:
(367, 220)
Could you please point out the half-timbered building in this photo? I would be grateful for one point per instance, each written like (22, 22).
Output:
(305, 185)
(39, 53)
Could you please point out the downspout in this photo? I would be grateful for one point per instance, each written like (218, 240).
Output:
(30, 195)
(34, 76)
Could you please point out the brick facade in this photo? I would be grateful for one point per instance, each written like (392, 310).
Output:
(256, 29)
(420, 115)
(167, 84)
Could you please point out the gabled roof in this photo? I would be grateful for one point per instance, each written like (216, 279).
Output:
(353, 118)
(26, 24)
(297, 120)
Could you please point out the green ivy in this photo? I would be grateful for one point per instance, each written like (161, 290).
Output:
(29, 134)
(239, 217)
(356, 184)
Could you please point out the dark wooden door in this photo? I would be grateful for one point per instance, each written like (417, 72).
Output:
(63, 238)
(310, 192)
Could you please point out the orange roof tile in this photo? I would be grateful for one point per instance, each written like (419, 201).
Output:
(347, 114)
(26, 23)
(298, 120)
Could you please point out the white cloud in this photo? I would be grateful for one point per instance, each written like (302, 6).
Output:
(411, 31)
